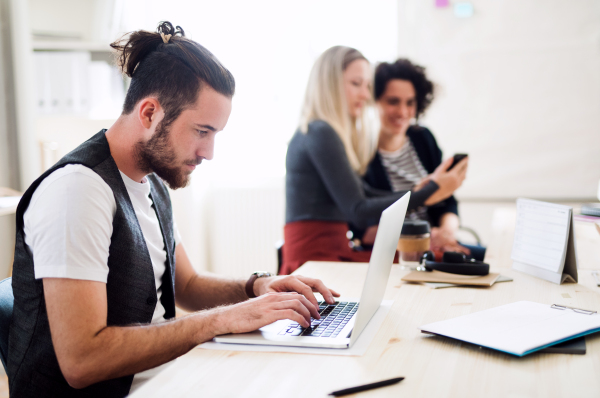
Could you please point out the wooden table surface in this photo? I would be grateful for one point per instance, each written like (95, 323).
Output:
(433, 366)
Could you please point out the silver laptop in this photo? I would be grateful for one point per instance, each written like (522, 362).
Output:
(340, 323)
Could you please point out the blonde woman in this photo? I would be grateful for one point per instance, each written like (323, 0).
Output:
(325, 161)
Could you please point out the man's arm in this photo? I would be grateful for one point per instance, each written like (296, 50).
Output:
(89, 351)
(195, 292)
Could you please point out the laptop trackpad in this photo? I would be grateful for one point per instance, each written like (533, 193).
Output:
(275, 327)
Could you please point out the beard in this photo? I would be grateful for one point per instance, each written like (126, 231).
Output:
(157, 155)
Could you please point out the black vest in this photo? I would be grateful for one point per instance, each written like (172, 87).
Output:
(33, 369)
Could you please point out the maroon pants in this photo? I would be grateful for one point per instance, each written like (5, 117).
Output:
(317, 241)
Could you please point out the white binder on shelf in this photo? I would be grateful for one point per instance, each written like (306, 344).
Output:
(42, 82)
(544, 244)
(79, 73)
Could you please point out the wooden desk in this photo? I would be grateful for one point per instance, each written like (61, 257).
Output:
(433, 366)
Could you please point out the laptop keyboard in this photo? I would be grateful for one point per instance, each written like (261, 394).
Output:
(333, 319)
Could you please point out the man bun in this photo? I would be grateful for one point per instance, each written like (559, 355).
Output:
(135, 46)
(169, 66)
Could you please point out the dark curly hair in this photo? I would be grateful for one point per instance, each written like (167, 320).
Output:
(403, 69)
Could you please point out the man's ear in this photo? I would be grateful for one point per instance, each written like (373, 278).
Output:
(148, 111)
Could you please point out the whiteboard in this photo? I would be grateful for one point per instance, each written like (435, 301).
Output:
(518, 89)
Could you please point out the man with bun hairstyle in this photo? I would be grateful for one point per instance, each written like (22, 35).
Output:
(99, 265)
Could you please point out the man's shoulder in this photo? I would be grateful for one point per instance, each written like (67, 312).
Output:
(74, 180)
(76, 175)
(72, 169)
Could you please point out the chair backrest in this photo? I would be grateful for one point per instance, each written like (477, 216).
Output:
(6, 311)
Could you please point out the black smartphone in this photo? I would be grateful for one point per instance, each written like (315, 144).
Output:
(457, 158)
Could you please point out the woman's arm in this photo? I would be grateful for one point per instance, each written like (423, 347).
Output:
(450, 222)
(328, 155)
(443, 238)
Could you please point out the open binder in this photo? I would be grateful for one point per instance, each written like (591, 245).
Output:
(519, 328)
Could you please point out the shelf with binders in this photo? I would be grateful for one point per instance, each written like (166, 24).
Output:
(70, 45)
(77, 82)
(79, 90)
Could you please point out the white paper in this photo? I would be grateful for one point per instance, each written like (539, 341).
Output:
(358, 348)
(541, 234)
(516, 328)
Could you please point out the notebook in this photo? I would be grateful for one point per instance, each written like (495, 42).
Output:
(519, 328)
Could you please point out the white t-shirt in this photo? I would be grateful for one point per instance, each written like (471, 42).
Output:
(68, 227)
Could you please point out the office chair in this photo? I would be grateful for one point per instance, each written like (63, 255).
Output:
(6, 311)
(279, 249)
(472, 232)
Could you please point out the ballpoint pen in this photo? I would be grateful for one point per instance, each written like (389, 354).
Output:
(366, 387)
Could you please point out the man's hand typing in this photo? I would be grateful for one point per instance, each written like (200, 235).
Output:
(255, 313)
(300, 284)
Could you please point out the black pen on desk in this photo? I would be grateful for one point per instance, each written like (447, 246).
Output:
(366, 387)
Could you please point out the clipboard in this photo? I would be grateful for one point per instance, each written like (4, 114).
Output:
(544, 244)
(519, 328)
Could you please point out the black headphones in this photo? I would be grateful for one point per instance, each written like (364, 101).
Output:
(455, 263)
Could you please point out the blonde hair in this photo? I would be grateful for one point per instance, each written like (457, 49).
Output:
(325, 99)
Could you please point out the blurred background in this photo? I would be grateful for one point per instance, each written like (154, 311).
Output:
(518, 88)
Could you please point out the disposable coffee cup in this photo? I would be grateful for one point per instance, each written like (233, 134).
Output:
(415, 239)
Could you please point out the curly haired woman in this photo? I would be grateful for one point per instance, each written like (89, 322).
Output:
(408, 155)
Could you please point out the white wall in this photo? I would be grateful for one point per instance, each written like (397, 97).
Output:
(519, 91)
(87, 20)
(269, 46)
(70, 17)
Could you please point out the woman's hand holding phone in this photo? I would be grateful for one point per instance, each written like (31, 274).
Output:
(448, 178)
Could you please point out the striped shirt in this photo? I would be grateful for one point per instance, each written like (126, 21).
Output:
(405, 170)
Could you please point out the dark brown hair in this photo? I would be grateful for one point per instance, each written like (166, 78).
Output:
(174, 71)
(403, 69)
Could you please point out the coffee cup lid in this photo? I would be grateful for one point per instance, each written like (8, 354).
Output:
(415, 227)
